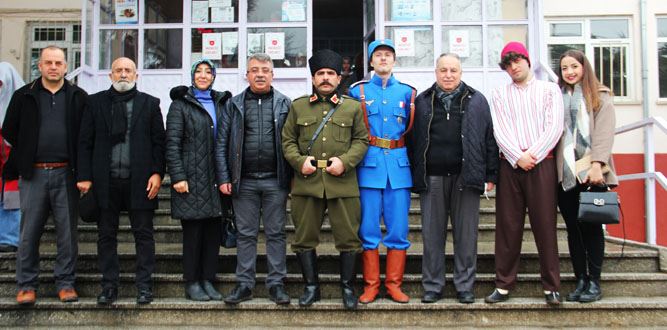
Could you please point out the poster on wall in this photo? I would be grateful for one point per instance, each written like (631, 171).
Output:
(126, 11)
(199, 11)
(219, 3)
(459, 42)
(411, 10)
(211, 45)
(405, 42)
(293, 11)
(274, 45)
(222, 14)
(230, 41)
(254, 43)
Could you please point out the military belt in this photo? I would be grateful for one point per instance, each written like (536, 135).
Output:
(387, 143)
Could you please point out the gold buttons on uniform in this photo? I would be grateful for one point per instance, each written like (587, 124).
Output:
(324, 139)
(324, 112)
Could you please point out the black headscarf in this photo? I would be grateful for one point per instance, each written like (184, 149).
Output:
(119, 113)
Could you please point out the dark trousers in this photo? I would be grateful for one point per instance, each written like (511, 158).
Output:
(141, 222)
(201, 245)
(518, 189)
(585, 240)
(48, 191)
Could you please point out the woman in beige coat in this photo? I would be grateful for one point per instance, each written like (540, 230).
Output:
(584, 159)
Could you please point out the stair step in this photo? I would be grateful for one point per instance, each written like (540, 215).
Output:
(517, 312)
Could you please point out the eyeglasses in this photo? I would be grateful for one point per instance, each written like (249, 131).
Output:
(258, 70)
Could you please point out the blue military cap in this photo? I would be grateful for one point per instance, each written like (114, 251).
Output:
(380, 42)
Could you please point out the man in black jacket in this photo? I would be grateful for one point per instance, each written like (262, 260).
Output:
(42, 125)
(454, 158)
(251, 168)
(121, 160)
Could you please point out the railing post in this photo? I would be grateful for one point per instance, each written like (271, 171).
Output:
(649, 184)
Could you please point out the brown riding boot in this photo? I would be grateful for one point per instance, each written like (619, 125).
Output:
(394, 277)
(371, 266)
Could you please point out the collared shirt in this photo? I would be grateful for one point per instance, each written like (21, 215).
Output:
(52, 138)
(527, 118)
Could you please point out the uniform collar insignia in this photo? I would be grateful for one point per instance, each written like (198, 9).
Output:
(313, 98)
(369, 102)
(334, 99)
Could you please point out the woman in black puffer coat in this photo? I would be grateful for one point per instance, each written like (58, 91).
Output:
(195, 199)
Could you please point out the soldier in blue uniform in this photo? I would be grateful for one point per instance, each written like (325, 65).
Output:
(384, 174)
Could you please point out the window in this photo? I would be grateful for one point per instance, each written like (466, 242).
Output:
(662, 56)
(66, 35)
(606, 43)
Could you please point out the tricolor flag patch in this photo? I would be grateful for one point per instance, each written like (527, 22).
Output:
(401, 104)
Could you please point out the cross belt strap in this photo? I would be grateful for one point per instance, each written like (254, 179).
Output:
(319, 130)
(387, 143)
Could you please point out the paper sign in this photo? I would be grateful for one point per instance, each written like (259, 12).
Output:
(211, 45)
(411, 10)
(274, 45)
(126, 12)
(230, 41)
(199, 11)
(219, 3)
(459, 42)
(405, 42)
(222, 14)
(293, 11)
(254, 43)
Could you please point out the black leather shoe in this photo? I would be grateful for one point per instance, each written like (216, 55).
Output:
(465, 297)
(194, 291)
(592, 293)
(278, 295)
(239, 293)
(431, 297)
(553, 299)
(210, 290)
(107, 296)
(144, 296)
(496, 297)
(582, 285)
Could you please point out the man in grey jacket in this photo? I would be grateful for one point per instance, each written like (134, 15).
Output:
(251, 168)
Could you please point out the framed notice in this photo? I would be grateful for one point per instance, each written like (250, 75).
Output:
(255, 43)
(404, 40)
(219, 3)
(222, 14)
(211, 45)
(459, 42)
(293, 11)
(199, 11)
(411, 10)
(126, 11)
(274, 45)
(230, 42)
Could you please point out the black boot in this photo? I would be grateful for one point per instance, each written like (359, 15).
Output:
(311, 292)
(348, 262)
(582, 285)
(592, 293)
(194, 291)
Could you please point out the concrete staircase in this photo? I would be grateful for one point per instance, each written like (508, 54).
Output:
(634, 284)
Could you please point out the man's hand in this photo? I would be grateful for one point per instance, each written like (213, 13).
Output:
(226, 188)
(84, 186)
(490, 186)
(307, 168)
(594, 175)
(336, 168)
(181, 187)
(527, 161)
(153, 185)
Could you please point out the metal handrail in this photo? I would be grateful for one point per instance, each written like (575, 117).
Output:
(75, 73)
(650, 176)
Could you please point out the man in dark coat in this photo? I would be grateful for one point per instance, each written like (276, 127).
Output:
(121, 157)
(42, 125)
(454, 159)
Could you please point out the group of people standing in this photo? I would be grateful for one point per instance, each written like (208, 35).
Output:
(354, 159)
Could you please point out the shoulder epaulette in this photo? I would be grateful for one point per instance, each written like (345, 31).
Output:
(302, 96)
(406, 84)
(359, 82)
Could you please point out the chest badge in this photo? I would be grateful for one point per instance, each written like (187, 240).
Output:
(399, 120)
(369, 102)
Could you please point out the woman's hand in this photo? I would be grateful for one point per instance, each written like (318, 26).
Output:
(594, 175)
(181, 187)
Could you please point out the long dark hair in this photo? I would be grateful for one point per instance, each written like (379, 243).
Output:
(590, 85)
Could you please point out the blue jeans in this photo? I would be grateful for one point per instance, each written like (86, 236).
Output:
(10, 221)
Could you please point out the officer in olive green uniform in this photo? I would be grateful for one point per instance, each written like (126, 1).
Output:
(325, 175)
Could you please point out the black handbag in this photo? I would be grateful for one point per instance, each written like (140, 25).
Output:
(88, 208)
(599, 205)
(229, 232)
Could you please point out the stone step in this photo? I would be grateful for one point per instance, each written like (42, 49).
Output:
(169, 259)
(528, 285)
(626, 311)
(173, 233)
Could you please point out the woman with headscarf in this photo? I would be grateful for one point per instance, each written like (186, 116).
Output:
(583, 160)
(191, 127)
(10, 214)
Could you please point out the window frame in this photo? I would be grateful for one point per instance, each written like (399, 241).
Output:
(590, 44)
(660, 40)
(72, 48)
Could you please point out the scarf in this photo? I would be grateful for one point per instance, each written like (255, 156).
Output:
(446, 98)
(576, 135)
(119, 113)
